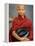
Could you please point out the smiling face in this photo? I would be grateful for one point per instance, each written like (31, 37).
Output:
(20, 9)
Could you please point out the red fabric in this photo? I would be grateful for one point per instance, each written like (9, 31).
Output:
(23, 22)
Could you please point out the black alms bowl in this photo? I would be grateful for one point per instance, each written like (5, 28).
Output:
(22, 32)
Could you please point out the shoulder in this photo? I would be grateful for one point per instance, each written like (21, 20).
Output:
(15, 19)
(29, 21)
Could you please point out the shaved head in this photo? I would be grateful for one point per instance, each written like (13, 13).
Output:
(19, 6)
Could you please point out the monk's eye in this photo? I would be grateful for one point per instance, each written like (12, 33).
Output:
(19, 9)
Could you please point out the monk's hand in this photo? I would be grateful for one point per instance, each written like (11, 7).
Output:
(24, 39)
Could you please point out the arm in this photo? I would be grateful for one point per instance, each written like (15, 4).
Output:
(16, 36)
(14, 26)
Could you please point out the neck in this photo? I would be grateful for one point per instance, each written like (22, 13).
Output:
(22, 16)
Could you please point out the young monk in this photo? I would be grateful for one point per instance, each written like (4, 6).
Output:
(21, 21)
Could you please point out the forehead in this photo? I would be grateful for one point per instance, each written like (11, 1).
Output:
(20, 6)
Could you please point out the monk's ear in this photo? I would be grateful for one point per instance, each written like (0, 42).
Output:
(17, 6)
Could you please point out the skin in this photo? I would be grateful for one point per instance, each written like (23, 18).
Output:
(21, 11)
